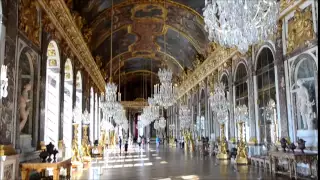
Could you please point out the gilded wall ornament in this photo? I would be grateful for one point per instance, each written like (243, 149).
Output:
(300, 29)
(28, 20)
(284, 4)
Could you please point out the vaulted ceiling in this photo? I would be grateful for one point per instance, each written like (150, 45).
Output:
(141, 28)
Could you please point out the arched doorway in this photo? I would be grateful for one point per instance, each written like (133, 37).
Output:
(67, 107)
(52, 101)
(79, 102)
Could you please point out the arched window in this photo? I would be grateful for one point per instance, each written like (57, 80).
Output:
(67, 107)
(79, 102)
(224, 81)
(194, 110)
(91, 114)
(201, 123)
(52, 101)
(241, 94)
(96, 118)
(266, 91)
(241, 91)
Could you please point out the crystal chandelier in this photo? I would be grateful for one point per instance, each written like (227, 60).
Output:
(76, 115)
(240, 23)
(162, 122)
(165, 75)
(184, 117)
(120, 117)
(241, 113)
(156, 125)
(85, 117)
(165, 93)
(219, 103)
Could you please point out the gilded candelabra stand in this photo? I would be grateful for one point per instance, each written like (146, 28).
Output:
(223, 146)
(242, 157)
(76, 159)
(85, 145)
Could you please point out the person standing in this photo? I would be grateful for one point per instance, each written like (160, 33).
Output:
(120, 143)
(139, 141)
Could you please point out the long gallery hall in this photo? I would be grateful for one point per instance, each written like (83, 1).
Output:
(158, 89)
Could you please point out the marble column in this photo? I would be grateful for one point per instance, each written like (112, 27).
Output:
(251, 102)
(281, 93)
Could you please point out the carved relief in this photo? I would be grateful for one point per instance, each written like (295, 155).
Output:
(300, 29)
(87, 34)
(8, 172)
(28, 20)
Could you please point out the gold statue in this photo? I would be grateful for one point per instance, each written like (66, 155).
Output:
(85, 142)
(222, 155)
(69, 3)
(98, 61)
(300, 29)
(75, 145)
(87, 34)
(78, 19)
(242, 148)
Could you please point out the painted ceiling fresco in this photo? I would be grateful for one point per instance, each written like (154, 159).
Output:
(178, 47)
(138, 30)
(145, 64)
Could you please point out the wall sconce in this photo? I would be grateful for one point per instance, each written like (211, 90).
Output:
(4, 81)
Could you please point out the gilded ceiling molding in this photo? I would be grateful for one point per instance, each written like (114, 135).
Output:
(216, 59)
(60, 16)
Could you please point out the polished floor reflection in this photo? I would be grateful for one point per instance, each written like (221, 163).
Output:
(165, 163)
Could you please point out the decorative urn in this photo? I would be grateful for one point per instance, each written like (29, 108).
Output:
(283, 142)
(301, 145)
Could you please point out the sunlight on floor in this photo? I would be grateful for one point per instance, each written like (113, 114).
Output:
(127, 165)
(193, 177)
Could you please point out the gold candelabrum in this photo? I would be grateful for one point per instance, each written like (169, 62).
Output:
(242, 157)
(75, 145)
(222, 155)
(85, 146)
